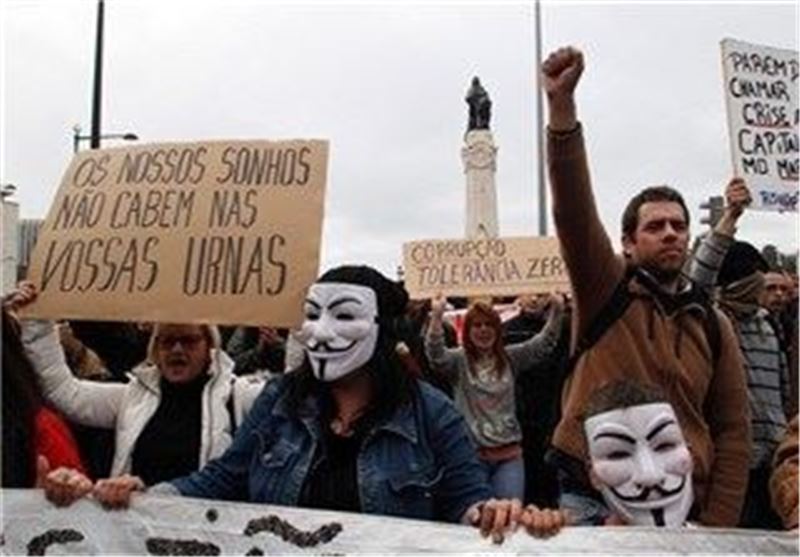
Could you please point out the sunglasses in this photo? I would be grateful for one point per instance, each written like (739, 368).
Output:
(187, 341)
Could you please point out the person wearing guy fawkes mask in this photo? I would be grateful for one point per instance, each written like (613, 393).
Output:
(639, 460)
(350, 430)
(639, 466)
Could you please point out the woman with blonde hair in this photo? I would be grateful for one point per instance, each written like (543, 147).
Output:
(178, 410)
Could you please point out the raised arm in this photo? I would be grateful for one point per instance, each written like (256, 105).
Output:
(542, 345)
(85, 402)
(706, 261)
(593, 268)
(443, 361)
(90, 403)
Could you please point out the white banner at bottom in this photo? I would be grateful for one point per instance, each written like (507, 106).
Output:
(159, 525)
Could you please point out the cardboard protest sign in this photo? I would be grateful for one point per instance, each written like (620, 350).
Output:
(761, 97)
(219, 232)
(484, 267)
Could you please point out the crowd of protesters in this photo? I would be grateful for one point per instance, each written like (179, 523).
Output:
(661, 391)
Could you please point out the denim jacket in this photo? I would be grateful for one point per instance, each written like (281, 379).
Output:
(420, 463)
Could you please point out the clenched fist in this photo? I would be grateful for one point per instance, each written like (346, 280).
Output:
(560, 75)
(561, 71)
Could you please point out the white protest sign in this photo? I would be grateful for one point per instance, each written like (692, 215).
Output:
(762, 100)
(484, 267)
(158, 525)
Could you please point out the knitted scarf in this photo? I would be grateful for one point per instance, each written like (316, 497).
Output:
(740, 299)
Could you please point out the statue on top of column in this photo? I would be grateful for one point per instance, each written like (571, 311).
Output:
(480, 106)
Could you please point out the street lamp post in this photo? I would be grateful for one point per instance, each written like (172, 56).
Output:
(77, 137)
(7, 190)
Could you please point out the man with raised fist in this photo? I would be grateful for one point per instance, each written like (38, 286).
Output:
(636, 317)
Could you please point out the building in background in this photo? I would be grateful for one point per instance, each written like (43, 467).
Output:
(10, 217)
(27, 233)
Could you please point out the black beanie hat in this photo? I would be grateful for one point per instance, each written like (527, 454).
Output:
(742, 260)
(392, 298)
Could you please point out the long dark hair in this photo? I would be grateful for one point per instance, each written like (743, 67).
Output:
(392, 383)
(485, 311)
(22, 400)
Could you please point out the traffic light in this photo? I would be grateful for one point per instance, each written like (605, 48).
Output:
(715, 206)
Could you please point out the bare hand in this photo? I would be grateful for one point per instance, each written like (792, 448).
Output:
(561, 72)
(555, 302)
(737, 197)
(62, 486)
(543, 523)
(614, 520)
(24, 294)
(267, 336)
(438, 305)
(115, 493)
(497, 517)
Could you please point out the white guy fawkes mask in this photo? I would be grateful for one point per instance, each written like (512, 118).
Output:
(641, 464)
(340, 330)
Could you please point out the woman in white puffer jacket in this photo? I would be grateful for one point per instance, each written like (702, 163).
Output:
(178, 410)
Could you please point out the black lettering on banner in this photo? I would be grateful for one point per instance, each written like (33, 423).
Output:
(767, 143)
(512, 271)
(233, 208)
(73, 264)
(150, 244)
(788, 169)
(740, 87)
(755, 165)
(145, 209)
(276, 241)
(128, 266)
(558, 267)
(250, 166)
(287, 170)
(178, 166)
(255, 268)
(228, 164)
(185, 162)
(234, 265)
(110, 263)
(91, 171)
(50, 265)
(765, 115)
(545, 267)
(199, 167)
(305, 167)
(155, 169)
(171, 163)
(95, 269)
(76, 249)
(80, 210)
(766, 64)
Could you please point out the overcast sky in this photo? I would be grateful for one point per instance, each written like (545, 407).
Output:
(385, 83)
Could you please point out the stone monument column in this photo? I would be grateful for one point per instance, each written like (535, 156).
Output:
(479, 155)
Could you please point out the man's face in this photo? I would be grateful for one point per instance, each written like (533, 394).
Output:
(340, 328)
(661, 239)
(182, 352)
(776, 292)
(641, 464)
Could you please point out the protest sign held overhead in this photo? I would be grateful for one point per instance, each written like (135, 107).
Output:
(221, 232)
(484, 267)
(762, 102)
